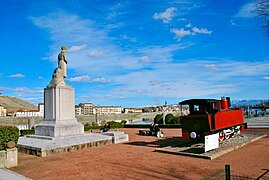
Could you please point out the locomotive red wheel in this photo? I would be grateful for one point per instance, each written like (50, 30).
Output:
(227, 136)
(221, 136)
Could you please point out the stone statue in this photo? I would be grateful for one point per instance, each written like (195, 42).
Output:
(59, 74)
(62, 60)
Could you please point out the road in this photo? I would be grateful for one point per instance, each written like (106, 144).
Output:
(258, 122)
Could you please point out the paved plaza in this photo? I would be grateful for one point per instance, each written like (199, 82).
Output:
(137, 159)
(6, 174)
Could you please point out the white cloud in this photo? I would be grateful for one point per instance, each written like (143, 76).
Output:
(98, 44)
(83, 78)
(77, 48)
(163, 78)
(23, 90)
(86, 78)
(108, 95)
(180, 80)
(161, 54)
(189, 25)
(119, 8)
(96, 53)
(200, 31)
(101, 79)
(128, 38)
(155, 82)
(265, 77)
(18, 90)
(182, 19)
(165, 16)
(180, 33)
(212, 67)
(17, 76)
(32, 100)
(144, 59)
(246, 10)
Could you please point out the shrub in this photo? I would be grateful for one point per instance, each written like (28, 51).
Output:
(87, 128)
(158, 119)
(148, 126)
(87, 124)
(94, 124)
(114, 124)
(27, 132)
(123, 122)
(169, 119)
(8, 133)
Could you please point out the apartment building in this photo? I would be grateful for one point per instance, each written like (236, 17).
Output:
(78, 110)
(133, 110)
(41, 109)
(86, 108)
(27, 113)
(107, 109)
(3, 111)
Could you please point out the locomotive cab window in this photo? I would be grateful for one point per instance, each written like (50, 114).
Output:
(196, 108)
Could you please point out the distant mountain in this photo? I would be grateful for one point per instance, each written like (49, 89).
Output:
(242, 102)
(13, 103)
(247, 102)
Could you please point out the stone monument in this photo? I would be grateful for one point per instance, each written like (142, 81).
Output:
(60, 131)
(59, 119)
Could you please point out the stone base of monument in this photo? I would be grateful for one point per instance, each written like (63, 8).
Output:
(117, 137)
(45, 145)
(42, 146)
(58, 130)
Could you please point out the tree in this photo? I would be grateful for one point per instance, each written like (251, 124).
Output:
(177, 120)
(169, 119)
(262, 10)
(158, 119)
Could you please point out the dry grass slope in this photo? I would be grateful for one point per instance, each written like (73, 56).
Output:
(13, 103)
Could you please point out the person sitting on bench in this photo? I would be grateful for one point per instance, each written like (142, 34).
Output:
(158, 131)
(152, 129)
(105, 128)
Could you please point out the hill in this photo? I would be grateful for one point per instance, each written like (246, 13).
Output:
(13, 103)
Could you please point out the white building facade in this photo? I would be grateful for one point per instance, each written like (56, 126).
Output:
(107, 110)
(27, 113)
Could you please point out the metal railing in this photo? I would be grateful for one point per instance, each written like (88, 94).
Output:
(225, 174)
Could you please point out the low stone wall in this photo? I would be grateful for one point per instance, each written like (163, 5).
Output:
(43, 152)
(9, 158)
(117, 137)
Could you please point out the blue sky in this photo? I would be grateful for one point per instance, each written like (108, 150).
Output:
(135, 53)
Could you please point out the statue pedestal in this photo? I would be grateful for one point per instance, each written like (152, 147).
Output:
(60, 132)
(59, 120)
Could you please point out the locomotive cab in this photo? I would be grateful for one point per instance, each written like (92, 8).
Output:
(202, 107)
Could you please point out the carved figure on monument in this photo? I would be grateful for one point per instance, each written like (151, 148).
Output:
(62, 60)
(59, 74)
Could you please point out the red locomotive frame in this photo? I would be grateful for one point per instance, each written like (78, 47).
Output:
(209, 116)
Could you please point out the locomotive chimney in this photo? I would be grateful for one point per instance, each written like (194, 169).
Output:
(224, 103)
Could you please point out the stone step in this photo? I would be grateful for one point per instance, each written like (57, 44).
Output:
(45, 147)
